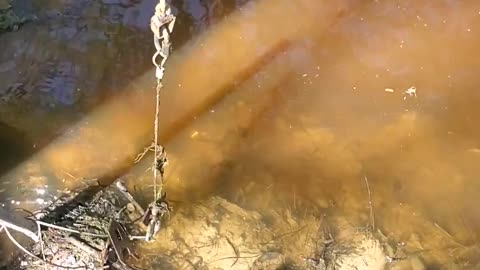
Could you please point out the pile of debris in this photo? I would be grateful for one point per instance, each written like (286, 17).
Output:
(90, 229)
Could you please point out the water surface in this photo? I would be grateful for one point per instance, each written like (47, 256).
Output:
(387, 95)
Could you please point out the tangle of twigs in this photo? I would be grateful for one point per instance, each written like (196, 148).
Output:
(19, 246)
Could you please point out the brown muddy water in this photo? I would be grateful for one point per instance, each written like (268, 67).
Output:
(377, 103)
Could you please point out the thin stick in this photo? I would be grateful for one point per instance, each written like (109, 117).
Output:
(70, 230)
(447, 234)
(284, 234)
(40, 238)
(370, 205)
(235, 249)
(68, 174)
(294, 200)
(145, 151)
(231, 257)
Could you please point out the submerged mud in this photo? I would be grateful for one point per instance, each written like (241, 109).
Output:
(217, 234)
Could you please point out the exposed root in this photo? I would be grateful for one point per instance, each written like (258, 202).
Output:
(235, 249)
(145, 151)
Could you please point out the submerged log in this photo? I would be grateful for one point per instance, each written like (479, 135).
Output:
(88, 229)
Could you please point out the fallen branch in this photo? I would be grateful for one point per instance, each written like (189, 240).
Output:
(370, 205)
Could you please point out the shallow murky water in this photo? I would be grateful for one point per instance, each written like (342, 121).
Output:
(382, 95)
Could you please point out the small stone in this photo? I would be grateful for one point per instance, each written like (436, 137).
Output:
(269, 261)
